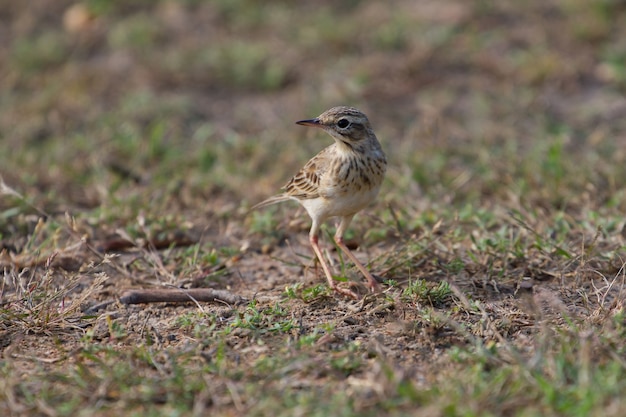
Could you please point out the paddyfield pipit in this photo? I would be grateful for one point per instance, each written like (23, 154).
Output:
(339, 181)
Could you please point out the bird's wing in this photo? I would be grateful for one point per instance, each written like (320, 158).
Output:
(306, 183)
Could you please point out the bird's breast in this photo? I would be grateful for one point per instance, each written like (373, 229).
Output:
(355, 174)
(349, 185)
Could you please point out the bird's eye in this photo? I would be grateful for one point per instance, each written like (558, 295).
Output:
(343, 123)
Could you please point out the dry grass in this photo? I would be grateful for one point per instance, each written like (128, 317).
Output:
(136, 137)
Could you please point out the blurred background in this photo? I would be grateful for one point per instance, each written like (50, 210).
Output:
(191, 104)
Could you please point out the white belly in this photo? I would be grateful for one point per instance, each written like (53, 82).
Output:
(340, 205)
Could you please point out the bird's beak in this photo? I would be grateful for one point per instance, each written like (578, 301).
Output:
(310, 122)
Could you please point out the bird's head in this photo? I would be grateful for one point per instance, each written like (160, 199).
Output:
(345, 124)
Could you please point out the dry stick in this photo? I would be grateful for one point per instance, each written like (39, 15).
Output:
(179, 296)
(171, 296)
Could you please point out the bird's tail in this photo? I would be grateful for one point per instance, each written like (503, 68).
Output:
(272, 200)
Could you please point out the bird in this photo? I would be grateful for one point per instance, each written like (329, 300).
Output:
(339, 181)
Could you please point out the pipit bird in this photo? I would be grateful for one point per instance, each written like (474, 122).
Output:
(339, 181)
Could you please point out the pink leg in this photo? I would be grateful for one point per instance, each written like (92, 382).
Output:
(371, 281)
(313, 238)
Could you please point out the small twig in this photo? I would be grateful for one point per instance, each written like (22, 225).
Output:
(176, 295)
(179, 296)
(120, 244)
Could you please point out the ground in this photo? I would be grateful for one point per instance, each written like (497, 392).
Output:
(135, 137)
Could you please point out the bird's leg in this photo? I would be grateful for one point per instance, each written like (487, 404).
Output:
(313, 238)
(343, 225)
